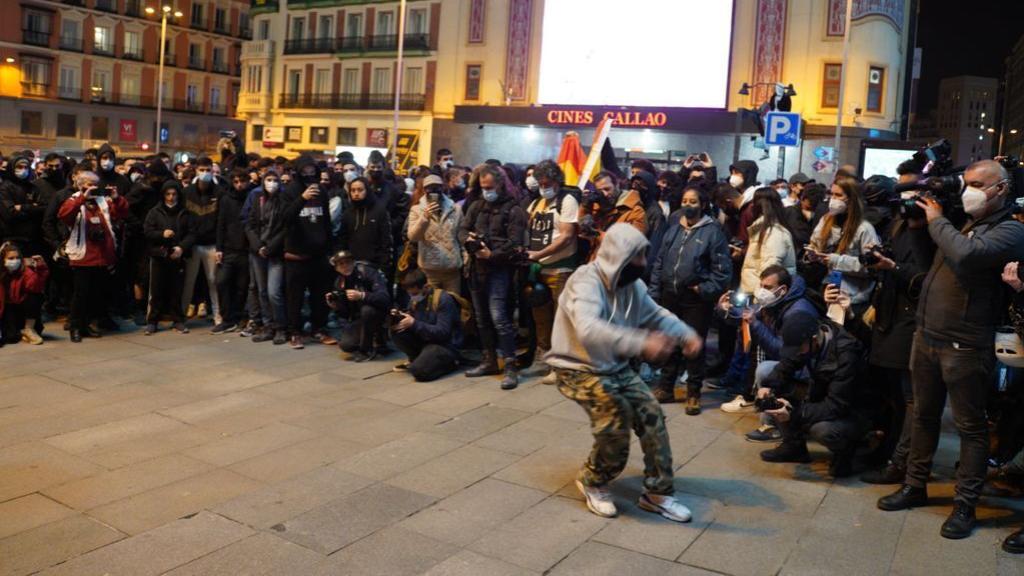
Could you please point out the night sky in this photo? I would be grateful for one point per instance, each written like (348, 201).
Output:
(964, 38)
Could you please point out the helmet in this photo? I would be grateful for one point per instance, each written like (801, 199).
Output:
(1009, 348)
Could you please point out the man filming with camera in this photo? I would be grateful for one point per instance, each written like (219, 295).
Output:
(430, 332)
(961, 304)
(361, 301)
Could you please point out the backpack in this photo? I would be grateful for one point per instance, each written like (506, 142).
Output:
(465, 308)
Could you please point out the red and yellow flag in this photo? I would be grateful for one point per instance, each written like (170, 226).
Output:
(571, 158)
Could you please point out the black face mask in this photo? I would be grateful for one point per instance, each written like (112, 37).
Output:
(691, 211)
(631, 273)
(375, 174)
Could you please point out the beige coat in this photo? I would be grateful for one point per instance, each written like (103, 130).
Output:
(777, 250)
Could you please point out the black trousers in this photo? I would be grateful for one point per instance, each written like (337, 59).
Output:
(302, 275)
(166, 282)
(897, 415)
(233, 286)
(357, 335)
(15, 316)
(938, 368)
(427, 362)
(91, 296)
(839, 436)
(696, 312)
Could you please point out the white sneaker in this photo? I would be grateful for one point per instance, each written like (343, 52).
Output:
(550, 379)
(667, 506)
(599, 500)
(738, 405)
(31, 336)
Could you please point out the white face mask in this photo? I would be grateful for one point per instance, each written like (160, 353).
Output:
(836, 206)
(12, 265)
(736, 180)
(975, 200)
(107, 165)
(350, 175)
(547, 193)
(532, 184)
(270, 186)
(766, 297)
(784, 192)
(136, 176)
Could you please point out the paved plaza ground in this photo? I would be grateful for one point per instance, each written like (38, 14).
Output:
(207, 455)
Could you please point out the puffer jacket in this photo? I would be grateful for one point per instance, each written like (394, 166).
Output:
(438, 243)
(701, 259)
(777, 250)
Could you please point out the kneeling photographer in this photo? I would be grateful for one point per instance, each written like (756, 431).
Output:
(360, 300)
(961, 305)
(811, 393)
(430, 333)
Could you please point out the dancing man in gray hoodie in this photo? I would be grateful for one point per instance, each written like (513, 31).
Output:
(605, 318)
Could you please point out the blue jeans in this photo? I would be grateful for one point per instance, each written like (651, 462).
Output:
(269, 276)
(491, 294)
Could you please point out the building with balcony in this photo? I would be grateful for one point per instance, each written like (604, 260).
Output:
(323, 73)
(77, 73)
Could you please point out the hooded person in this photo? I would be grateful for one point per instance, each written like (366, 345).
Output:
(169, 233)
(395, 200)
(743, 177)
(606, 318)
(607, 206)
(106, 169)
(365, 227)
(645, 184)
(265, 229)
(21, 205)
(232, 252)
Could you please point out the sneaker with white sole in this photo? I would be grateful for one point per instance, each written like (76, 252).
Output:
(599, 500)
(738, 405)
(764, 433)
(550, 379)
(31, 336)
(667, 506)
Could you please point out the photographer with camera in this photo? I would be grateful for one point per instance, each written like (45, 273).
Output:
(493, 233)
(434, 225)
(92, 213)
(961, 305)
(606, 206)
(693, 268)
(810, 392)
(361, 302)
(430, 333)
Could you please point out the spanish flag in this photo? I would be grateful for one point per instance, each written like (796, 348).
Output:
(571, 158)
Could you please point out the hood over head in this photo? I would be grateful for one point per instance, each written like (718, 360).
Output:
(621, 244)
(13, 159)
(649, 180)
(749, 170)
(104, 149)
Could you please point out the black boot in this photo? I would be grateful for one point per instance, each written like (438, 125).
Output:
(76, 335)
(1014, 543)
(891, 474)
(960, 523)
(787, 452)
(488, 366)
(511, 379)
(841, 465)
(906, 497)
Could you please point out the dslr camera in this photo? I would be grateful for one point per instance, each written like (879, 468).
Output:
(394, 316)
(875, 254)
(769, 402)
(473, 244)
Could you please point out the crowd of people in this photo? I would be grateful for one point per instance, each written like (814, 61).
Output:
(843, 311)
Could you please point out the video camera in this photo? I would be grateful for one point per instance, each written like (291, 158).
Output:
(941, 181)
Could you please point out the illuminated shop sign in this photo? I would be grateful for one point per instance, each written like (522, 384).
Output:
(623, 119)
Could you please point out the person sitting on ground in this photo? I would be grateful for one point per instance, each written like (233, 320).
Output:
(430, 333)
(361, 302)
(22, 282)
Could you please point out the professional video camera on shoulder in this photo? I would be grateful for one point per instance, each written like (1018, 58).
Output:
(940, 182)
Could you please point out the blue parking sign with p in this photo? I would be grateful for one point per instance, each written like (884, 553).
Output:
(782, 129)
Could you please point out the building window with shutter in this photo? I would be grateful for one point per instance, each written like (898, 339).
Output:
(876, 89)
(473, 81)
(830, 82)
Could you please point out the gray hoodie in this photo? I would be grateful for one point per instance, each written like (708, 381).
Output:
(600, 326)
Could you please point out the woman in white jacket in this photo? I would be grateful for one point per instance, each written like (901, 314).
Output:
(841, 236)
(771, 243)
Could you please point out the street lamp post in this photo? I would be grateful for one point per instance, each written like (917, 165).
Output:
(398, 85)
(165, 12)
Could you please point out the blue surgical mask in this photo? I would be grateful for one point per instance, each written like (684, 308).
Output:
(22, 173)
(107, 165)
(13, 265)
(490, 195)
(206, 176)
(548, 193)
(417, 298)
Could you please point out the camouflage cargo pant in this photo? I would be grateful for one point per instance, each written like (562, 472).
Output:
(616, 404)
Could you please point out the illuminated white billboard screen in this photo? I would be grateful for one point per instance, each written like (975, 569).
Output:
(659, 53)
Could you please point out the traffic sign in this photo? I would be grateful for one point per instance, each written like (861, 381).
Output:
(782, 129)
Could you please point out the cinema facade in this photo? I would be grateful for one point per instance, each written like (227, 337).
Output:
(471, 75)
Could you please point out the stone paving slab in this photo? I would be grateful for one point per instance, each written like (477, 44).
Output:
(50, 544)
(27, 512)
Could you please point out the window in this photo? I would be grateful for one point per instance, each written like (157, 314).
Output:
(197, 14)
(830, 85)
(385, 24)
(325, 29)
(215, 98)
(318, 135)
(322, 81)
(264, 30)
(244, 25)
(298, 29)
(67, 126)
(35, 77)
(195, 55)
(192, 96)
(354, 26)
(132, 45)
(36, 27)
(876, 89)
(129, 89)
(473, 81)
(294, 82)
(218, 58)
(100, 85)
(165, 97)
(257, 132)
(31, 122)
(100, 128)
(102, 41)
(381, 81)
(347, 136)
(417, 23)
(220, 19)
(412, 81)
(71, 35)
(350, 81)
(68, 86)
(293, 133)
(254, 79)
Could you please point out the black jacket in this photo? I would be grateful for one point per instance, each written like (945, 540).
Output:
(364, 278)
(501, 225)
(202, 204)
(267, 224)
(308, 227)
(800, 227)
(441, 325)
(700, 258)
(55, 231)
(141, 199)
(231, 235)
(111, 177)
(162, 218)
(366, 232)
(963, 298)
(24, 225)
(396, 202)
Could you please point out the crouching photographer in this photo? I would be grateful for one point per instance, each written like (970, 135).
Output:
(360, 300)
(961, 305)
(430, 333)
(811, 392)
